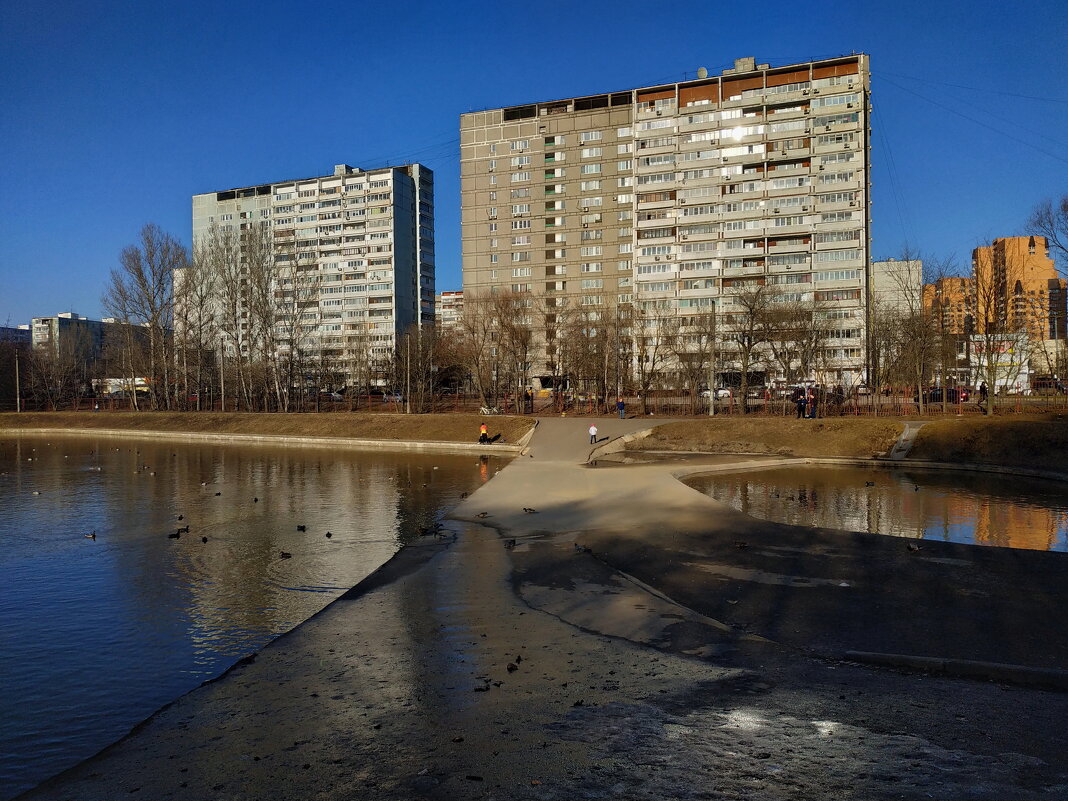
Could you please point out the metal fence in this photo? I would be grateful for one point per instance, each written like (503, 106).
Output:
(888, 402)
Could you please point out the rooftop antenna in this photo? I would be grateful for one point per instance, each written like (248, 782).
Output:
(702, 72)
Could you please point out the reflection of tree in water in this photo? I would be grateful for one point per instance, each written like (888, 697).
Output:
(955, 507)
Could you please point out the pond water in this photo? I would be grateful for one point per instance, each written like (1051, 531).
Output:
(98, 633)
(948, 505)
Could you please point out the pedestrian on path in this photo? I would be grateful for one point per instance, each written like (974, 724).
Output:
(483, 434)
(813, 402)
(593, 434)
(621, 407)
(799, 399)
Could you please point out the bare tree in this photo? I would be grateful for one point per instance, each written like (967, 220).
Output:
(141, 293)
(748, 328)
(1050, 219)
(653, 328)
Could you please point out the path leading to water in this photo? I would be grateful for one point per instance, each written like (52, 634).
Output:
(434, 679)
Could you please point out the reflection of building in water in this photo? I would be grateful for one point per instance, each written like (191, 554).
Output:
(896, 505)
(1013, 525)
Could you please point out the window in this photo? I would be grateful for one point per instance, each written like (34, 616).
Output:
(521, 240)
(838, 294)
(780, 222)
(837, 255)
(590, 169)
(624, 165)
(588, 186)
(590, 236)
(592, 300)
(623, 265)
(592, 250)
(656, 250)
(837, 275)
(520, 225)
(520, 161)
(836, 177)
(591, 136)
(593, 283)
(521, 256)
(837, 236)
(787, 259)
(520, 176)
(521, 208)
(520, 144)
(837, 197)
(518, 193)
(591, 152)
(521, 272)
(835, 100)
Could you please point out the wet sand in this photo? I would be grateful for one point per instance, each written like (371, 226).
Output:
(479, 668)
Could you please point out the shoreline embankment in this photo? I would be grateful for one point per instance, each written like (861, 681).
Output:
(604, 639)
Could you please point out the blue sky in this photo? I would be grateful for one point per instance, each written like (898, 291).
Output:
(114, 114)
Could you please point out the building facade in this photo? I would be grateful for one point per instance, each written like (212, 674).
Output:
(679, 196)
(449, 308)
(70, 334)
(1019, 283)
(353, 256)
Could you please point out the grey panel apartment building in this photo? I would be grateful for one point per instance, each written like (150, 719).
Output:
(676, 196)
(359, 242)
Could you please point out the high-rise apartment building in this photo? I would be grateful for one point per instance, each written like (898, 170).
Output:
(354, 256)
(449, 308)
(1025, 291)
(680, 196)
(1014, 289)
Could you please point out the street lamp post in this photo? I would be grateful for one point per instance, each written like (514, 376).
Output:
(408, 375)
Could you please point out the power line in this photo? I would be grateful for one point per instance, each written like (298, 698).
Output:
(976, 121)
(987, 112)
(974, 88)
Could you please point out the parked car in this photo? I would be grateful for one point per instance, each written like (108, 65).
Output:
(336, 397)
(722, 392)
(952, 395)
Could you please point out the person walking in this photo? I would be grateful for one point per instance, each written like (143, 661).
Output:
(483, 434)
(593, 434)
(621, 407)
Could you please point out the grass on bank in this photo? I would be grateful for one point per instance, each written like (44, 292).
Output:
(1037, 444)
(846, 436)
(341, 425)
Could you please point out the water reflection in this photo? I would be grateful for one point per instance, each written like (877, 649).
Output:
(977, 508)
(98, 633)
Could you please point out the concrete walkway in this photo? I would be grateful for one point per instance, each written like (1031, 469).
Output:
(436, 679)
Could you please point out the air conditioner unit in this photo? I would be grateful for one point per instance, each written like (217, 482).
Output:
(804, 91)
(804, 208)
(668, 257)
(815, 91)
(724, 159)
(659, 113)
(684, 236)
(852, 203)
(807, 110)
(585, 225)
(820, 168)
(849, 105)
(656, 258)
(826, 127)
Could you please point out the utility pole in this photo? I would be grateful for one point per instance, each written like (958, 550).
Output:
(408, 375)
(712, 368)
(18, 393)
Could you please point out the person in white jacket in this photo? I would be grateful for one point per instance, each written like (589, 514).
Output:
(593, 435)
